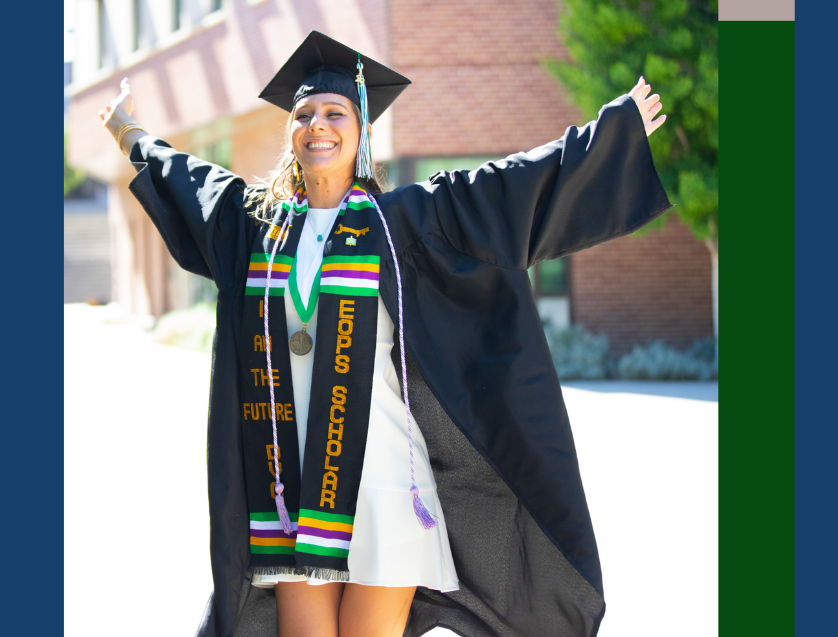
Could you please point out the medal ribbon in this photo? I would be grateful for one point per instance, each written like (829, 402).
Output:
(305, 312)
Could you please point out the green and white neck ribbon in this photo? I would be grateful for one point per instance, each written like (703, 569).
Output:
(304, 311)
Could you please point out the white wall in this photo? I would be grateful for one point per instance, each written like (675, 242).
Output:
(156, 26)
(555, 308)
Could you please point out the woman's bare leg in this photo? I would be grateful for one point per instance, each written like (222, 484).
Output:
(374, 611)
(308, 611)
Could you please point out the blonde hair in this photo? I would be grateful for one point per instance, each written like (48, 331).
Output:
(282, 182)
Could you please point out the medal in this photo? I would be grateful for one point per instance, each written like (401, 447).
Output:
(300, 342)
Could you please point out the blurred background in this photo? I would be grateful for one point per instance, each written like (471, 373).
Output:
(490, 77)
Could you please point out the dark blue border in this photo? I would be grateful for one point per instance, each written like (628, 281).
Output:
(31, 442)
(816, 319)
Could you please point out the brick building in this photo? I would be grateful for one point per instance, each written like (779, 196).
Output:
(196, 67)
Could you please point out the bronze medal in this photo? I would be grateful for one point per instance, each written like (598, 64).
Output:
(300, 342)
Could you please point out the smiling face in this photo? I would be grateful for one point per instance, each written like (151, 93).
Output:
(324, 135)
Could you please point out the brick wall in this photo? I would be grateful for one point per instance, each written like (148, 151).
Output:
(258, 141)
(478, 84)
(479, 89)
(655, 286)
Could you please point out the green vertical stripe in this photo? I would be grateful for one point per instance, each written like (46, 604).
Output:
(756, 425)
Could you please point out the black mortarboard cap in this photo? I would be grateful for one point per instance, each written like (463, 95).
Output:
(323, 65)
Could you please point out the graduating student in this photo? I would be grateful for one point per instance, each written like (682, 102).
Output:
(388, 449)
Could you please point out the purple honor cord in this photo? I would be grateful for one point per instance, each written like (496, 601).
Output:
(426, 519)
(281, 509)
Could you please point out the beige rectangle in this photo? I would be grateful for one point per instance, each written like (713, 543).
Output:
(756, 10)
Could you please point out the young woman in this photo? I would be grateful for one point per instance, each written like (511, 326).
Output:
(340, 308)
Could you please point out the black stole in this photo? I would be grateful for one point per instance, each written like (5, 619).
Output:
(322, 504)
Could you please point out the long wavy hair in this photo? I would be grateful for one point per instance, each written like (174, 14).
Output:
(283, 181)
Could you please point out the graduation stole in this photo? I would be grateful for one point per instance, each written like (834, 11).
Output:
(321, 504)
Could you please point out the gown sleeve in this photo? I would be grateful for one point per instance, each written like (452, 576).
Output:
(596, 183)
(197, 207)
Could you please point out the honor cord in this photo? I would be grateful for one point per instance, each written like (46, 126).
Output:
(425, 517)
(281, 509)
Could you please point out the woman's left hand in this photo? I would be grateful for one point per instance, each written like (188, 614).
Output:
(649, 106)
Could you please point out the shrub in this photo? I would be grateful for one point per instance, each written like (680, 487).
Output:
(577, 354)
(657, 361)
(704, 349)
(191, 329)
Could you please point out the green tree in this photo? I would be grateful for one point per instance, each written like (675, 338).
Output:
(72, 177)
(674, 45)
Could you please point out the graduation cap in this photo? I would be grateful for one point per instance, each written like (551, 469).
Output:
(323, 65)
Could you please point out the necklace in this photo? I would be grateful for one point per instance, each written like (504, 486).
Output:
(301, 342)
(319, 233)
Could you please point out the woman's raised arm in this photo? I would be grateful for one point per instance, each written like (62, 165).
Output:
(596, 183)
(649, 105)
(197, 206)
(116, 117)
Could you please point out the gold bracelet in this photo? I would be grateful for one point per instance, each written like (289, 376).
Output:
(125, 128)
(123, 125)
(122, 130)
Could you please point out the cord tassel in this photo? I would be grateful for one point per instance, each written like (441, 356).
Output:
(363, 162)
(425, 517)
(282, 511)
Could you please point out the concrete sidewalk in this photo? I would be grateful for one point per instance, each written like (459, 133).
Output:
(136, 523)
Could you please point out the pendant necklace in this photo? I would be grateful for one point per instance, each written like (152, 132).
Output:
(310, 220)
(300, 341)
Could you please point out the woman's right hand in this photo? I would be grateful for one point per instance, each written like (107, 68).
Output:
(119, 110)
(117, 113)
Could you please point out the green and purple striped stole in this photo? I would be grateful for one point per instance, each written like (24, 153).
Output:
(321, 502)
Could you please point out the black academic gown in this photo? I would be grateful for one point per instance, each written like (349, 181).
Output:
(482, 384)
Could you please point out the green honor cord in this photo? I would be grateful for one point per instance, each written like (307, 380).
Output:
(306, 311)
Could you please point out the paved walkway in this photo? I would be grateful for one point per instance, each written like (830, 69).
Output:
(135, 523)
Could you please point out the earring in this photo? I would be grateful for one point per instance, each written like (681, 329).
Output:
(297, 171)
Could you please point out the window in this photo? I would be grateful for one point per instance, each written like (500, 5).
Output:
(549, 281)
(136, 26)
(549, 278)
(100, 14)
(216, 5)
(212, 142)
(427, 166)
(176, 9)
(217, 153)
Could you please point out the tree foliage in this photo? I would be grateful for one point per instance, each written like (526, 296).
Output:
(674, 45)
(72, 177)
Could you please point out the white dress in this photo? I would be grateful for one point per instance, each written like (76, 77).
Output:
(388, 547)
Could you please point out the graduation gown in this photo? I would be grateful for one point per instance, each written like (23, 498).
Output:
(482, 384)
